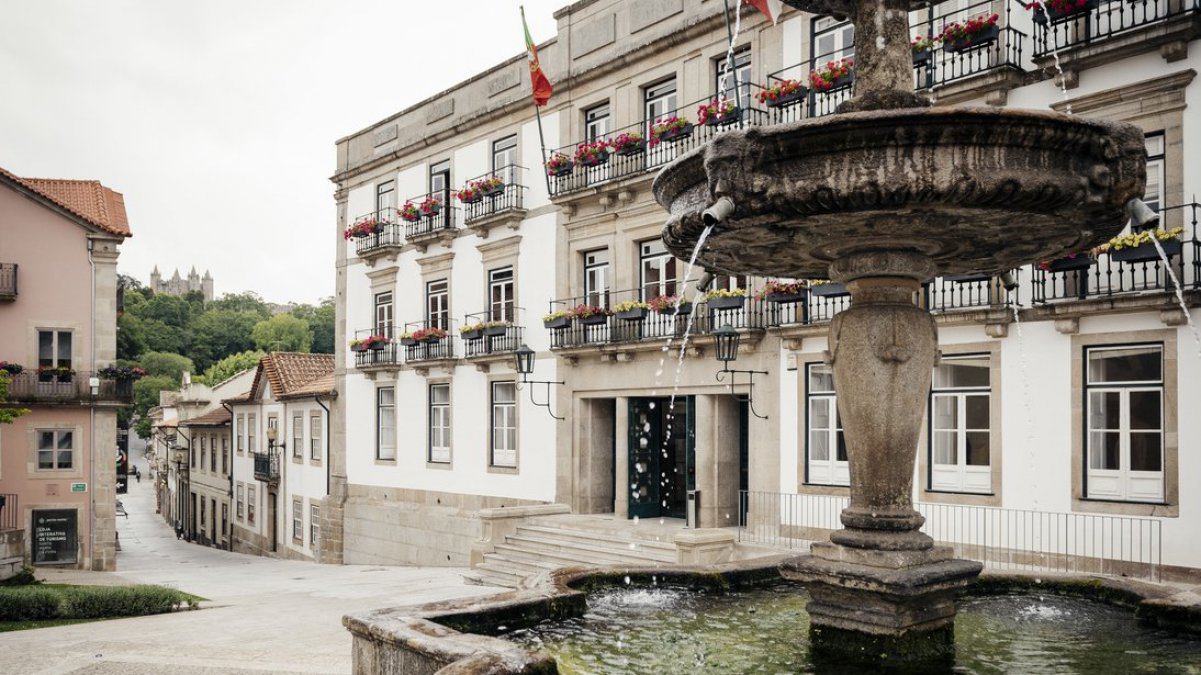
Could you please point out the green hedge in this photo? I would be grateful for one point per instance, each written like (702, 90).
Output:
(36, 603)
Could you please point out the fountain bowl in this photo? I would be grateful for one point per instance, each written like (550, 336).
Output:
(971, 189)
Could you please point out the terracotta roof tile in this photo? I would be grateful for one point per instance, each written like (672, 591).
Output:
(87, 199)
(322, 386)
(292, 374)
(213, 418)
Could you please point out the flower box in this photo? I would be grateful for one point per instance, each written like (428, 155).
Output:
(358, 348)
(598, 159)
(840, 82)
(377, 346)
(66, 377)
(557, 324)
(677, 133)
(731, 116)
(494, 190)
(1080, 262)
(735, 302)
(682, 309)
(472, 198)
(923, 57)
(562, 170)
(594, 319)
(971, 278)
(1056, 14)
(408, 341)
(784, 298)
(636, 314)
(496, 331)
(432, 210)
(45, 377)
(1146, 252)
(980, 38)
(472, 335)
(789, 98)
(431, 339)
(631, 148)
(830, 290)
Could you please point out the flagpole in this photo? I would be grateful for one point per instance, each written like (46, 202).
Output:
(537, 111)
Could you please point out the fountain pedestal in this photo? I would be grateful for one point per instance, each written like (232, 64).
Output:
(881, 587)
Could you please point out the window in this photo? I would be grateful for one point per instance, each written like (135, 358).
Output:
(224, 521)
(192, 456)
(56, 449)
(658, 270)
(504, 424)
(1124, 443)
(314, 525)
(383, 314)
(298, 435)
(960, 425)
(596, 277)
(660, 100)
(241, 501)
(298, 520)
(741, 73)
(273, 424)
(251, 423)
(385, 196)
(315, 436)
(597, 122)
(385, 431)
(241, 434)
(833, 40)
(213, 454)
(437, 304)
(202, 449)
(826, 453)
(504, 159)
(203, 517)
(250, 494)
(501, 305)
(225, 455)
(439, 423)
(440, 180)
(54, 349)
(1155, 172)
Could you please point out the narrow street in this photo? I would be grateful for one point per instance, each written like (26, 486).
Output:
(262, 614)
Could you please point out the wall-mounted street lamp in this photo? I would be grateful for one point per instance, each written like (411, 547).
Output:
(524, 357)
(726, 349)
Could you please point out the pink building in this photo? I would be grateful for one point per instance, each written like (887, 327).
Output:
(58, 329)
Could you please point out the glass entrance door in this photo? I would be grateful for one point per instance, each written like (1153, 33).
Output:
(661, 457)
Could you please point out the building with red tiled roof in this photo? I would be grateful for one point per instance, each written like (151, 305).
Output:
(59, 243)
(281, 458)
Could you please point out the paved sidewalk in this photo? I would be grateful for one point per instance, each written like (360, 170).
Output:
(263, 615)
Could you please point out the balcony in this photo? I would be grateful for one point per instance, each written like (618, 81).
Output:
(1130, 273)
(423, 228)
(8, 282)
(73, 388)
(492, 340)
(379, 355)
(377, 234)
(640, 158)
(1108, 30)
(10, 512)
(497, 206)
(266, 467)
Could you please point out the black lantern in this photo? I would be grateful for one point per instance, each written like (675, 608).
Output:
(524, 362)
(725, 348)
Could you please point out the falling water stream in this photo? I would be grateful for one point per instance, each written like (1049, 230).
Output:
(1178, 290)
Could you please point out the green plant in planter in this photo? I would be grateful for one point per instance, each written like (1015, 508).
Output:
(669, 304)
(776, 287)
(1139, 238)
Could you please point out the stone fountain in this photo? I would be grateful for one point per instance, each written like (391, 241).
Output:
(883, 196)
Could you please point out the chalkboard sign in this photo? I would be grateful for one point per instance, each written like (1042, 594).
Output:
(55, 537)
(122, 472)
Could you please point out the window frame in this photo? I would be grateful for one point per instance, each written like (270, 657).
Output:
(298, 435)
(314, 525)
(384, 313)
(298, 520)
(380, 408)
(504, 309)
(959, 395)
(493, 407)
(742, 74)
(506, 158)
(836, 469)
(55, 450)
(241, 502)
(385, 196)
(316, 434)
(56, 359)
(669, 282)
(596, 271)
(442, 410)
(597, 117)
(251, 494)
(437, 303)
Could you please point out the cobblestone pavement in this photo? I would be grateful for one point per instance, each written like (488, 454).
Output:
(263, 614)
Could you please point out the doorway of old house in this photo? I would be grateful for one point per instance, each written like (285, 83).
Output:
(662, 456)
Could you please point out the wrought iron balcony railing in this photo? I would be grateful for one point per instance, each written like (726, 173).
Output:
(8, 281)
(1098, 20)
(386, 234)
(381, 354)
(431, 225)
(508, 198)
(66, 388)
(495, 332)
(10, 512)
(266, 466)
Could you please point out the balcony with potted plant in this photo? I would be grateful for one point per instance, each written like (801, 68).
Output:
(494, 199)
(376, 234)
(489, 338)
(1089, 33)
(62, 385)
(784, 97)
(376, 349)
(979, 55)
(430, 345)
(427, 220)
(8, 282)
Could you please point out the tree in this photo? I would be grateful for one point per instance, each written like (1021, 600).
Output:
(170, 309)
(129, 283)
(131, 336)
(230, 366)
(321, 324)
(158, 336)
(146, 396)
(7, 415)
(219, 333)
(242, 302)
(171, 366)
(282, 333)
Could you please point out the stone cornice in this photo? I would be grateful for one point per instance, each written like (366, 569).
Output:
(1169, 87)
(436, 263)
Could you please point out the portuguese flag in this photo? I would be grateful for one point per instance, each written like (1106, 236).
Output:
(542, 88)
(770, 8)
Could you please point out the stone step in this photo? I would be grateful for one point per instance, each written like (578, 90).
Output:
(518, 561)
(617, 552)
(599, 538)
(563, 556)
(488, 578)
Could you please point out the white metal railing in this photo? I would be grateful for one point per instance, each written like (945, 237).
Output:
(1003, 539)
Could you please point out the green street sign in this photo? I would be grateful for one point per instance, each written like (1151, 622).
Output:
(79, 487)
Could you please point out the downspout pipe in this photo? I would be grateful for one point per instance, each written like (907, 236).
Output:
(328, 461)
(92, 424)
(233, 451)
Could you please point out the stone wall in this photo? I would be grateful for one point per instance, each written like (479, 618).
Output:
(12, 552)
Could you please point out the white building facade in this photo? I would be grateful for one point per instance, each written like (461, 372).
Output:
(1062, 400)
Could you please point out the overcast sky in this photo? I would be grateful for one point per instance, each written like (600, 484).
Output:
(217, 119)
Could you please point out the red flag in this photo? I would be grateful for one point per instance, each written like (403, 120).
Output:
(770, 8)
(542, 88)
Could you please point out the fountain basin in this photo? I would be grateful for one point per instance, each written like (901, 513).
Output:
(972, 189)
(460, 637)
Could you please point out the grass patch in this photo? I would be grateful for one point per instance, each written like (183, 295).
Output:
(50, 604)
(8, 626)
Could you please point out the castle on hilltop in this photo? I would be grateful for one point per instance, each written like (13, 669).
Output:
(177, 285)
